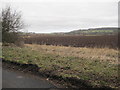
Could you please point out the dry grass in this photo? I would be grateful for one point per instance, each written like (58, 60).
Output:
(97, 66)
(102, 54)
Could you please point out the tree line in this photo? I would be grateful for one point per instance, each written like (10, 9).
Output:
(10, 24)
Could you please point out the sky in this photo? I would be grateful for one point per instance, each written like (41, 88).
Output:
(48, 16)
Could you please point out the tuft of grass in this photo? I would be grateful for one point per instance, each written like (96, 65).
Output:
(81, 63)
(102, 54)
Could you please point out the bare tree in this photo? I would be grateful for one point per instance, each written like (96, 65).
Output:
(11, 24)
(0, 29)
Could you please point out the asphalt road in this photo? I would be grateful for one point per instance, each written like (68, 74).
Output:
(13, 79)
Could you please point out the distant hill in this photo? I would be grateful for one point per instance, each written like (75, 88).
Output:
(91, 31)
(94, 31)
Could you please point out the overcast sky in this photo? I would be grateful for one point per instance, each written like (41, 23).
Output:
(46, 16)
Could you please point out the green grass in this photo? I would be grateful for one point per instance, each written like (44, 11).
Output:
(94, 32)
(95, 72)
(102, 31)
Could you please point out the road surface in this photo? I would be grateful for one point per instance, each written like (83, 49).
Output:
(13, 79)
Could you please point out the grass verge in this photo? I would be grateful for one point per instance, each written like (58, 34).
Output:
(89, 72)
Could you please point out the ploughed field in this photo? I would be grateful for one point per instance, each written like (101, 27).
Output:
(110, 41)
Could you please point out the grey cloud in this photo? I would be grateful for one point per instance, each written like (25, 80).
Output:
(67, 16)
